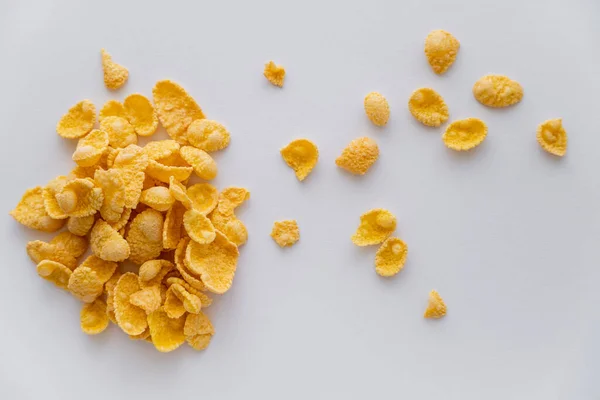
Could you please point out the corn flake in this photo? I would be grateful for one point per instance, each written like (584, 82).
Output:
(204, 197)
(390, 257)
(274, 73)
(54, 272)
(167, 333)
(377, 108)
(122, 221)
(112, 108)
(204, 165)
(172, 226)
(173, 305)
(375, 226)
(231, 198)
(436, 308)
(145, 236)
(153, 272)
(160, 149)
(552, 137)
(198, 227)
(358, 156)
(39, 251)
(497, 91)
(94, 318)
(104, 270)
(191, 302)
(301, 155)
(72, 244)
(148, 299)
(130, 318)
(31, 212)
(80, 198)
(428, 107)
(141, 114)
(164, 172)
(132, 161)
(78, 121)
(120, 131)
(182, 267)
(198, 331)
(107, 243)
(85, 284)
(90, 148)
(204, 299)
(179, 192)
(158, 198)
(49, 194)
(208, 135)
(441, 48)
(113, 186)
(115, 75)
(80, 226)
(285, 233)
(465, 134)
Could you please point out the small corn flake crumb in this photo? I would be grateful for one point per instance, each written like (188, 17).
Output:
(390, 257)
(465, 134)
(274, 73)
(428, 107)
(115, 75)
(497, 91)
(78, 121)
(285, 233)
(375, 226)
(301, 155)
(377, 108)
(436, 308)
(358, 156)
(208, 135)
(552, 137)
(441, 49)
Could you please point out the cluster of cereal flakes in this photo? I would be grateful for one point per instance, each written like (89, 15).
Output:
(127, 203)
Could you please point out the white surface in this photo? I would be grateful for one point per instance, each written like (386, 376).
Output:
(507, 234)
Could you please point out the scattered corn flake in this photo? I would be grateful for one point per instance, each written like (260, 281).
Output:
(80, 198)
(198, 330)
(85, 284)
(39, 251)
(358, 156)
(104, 270)
(428, 107)
(153, 272)
(164, 172)
(375, 226)
(172, 226)
(113, 186)
(49, 194)
(497, 91)
(204, 299)
(130, 318)
(179, 192)
(208, 135)
(115, 75)
(140, 113)
(73, 244)
(301, 155)
(122, 221)
(204, 197)
(274, 73)
(176, 109)
(182, 267)
(31, 212)
(94, 318)
(90, 148)
(215, 262)
(167, 333)
(230, 226)
(160, 149)
(377, 108)
(145, 236)
(441, 49)
(390, 257)
(285, 233)
(191, 302)
(204, 165)
(465, 134)
(112, 108)
(148, 298)
(107, 243)
(80, 226)
(173, 305)
(436, 308)
(552, 137)
(231, 198)
(198, 227)
(158, 198)
(120, 132)
(78, 121)
(54, 272)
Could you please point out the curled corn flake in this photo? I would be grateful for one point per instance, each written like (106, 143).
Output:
(215, 262)
(115, 75)
(301, 155)
(377, 108)
(148, 299)
(158, 197)
(285, 233)
(173, 305)
(441, 49)
(153, 272)
(229, 225)
(113, 186)
(208, 135)
(164, 172)
(198, 331)
(174, 160)
(375, 226)
(204, 197)
(182, 267)
(91, 148)
(204, 165)
(160, 149)
(120, 131)
(465, 134)
(390, 257)
(436, 308)
(142, 336)
(141, 114)
(132, 161)
(145, 236)
(94, 318)
(179, 192)
(54, 272)
(80, 226)
(104, 270)
(497, 91)
(358, 156)
(85, 284)
(552, 137)
(31, 212)
(167, 333)
(130, 318)
(274, 73)
(78, 121)
(191, 302)
(107, 243)
(204, 299)
(49, 194)
(122, 221)
(176, 109)
(428, 107)
(72, 244)
(112, 108)
(80, 198)
(39, 251)
(172, 226)
(198, 227)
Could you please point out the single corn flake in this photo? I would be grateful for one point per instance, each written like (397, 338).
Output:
(120, 131)
(145, 236)
(130, 318)
(172, 226)
(112, 108)
(204, 299)
(377, 108)
(107, 243)
(358, 156)
(198, 331)
(390, 257)
(39, 251)
(229, 225)
(301, 155)
(441, 49)
(80, 226)
(274, 73)
(497, 91)
(436, 308)
(465, 134)
(173, 305)
(104, 270)
(78, 121)
(94, 318)
(375, 226)
(152, 272)
(132, 161)
(552, 137)
(148, 299)
(158, 197)
(285, 233)
(85, 284)
(31, 212)
(109, 290)
(204, 165)
(208, 135)
(159, 149)
(141, 114)
(179, 192)
(54, 272)
(167, 333)
(204, 197)
(113, 186)
(49, 192)
(198, 227)
(164, 172)
(176, 109)
(115, 75)
(72, 244)
(215, 262)
(91, 148)
(191, 302)
(80, 198)
(231, 198)
(122, 221)
(182, 267)
(428, 107)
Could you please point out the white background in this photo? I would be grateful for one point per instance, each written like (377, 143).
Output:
(506, 233)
